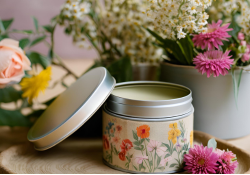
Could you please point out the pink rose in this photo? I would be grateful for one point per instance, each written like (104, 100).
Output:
(13, 62)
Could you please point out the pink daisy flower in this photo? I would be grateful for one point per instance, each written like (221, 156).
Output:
(213, 62)
(214, 36)
(227, 163)
(201, 160)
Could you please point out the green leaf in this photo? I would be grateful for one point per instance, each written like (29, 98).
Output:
(7, 23)
(36, 58)
(13, 118)
(142, 140)
(48, 28)
(187, 47)
(173, 165)
(24, 42)
(135, 135)
(135, 168)
(123, 64)
(158, 37)
(150, 163)
(116, 152)
(239, 80)
(167, 155)
(140, 166)
(158, 160)
(23, 31)
(3, 37)
(236, 84)
(137, 143)
(37, 40)
(137, 148)
(9, 94)
(161, 168)
(168, 147)
(212, 143)
(35, 23)
(127, 165)
(2, 29)
(173, 48)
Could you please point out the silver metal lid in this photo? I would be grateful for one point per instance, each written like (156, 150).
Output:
(157, 108)
(72, 109)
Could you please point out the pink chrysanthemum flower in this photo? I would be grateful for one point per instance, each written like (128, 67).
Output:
(213, 62)
(227, 163)
(201, 160)
(214, 36)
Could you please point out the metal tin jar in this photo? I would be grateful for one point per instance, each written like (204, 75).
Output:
(147, 127)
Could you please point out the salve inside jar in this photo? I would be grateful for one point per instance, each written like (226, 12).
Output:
(149, 92)
(150, 99)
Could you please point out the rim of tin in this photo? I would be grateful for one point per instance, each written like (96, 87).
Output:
(151, 108)
(105, 109)
(138, 172)
(149, 102)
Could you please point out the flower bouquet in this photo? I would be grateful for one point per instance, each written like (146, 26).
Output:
(213, 39)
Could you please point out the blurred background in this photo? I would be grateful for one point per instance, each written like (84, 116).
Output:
(44, 10)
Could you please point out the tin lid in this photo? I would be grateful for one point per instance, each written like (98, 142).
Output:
(72, 109)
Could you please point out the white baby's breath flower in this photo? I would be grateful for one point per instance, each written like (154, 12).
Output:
(179, 17)
(85, 7)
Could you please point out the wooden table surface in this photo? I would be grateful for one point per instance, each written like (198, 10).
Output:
(11, 136)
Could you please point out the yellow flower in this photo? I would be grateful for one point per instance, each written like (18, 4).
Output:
(191, 138)
(173, 125)
(31, 87)
(173, 133)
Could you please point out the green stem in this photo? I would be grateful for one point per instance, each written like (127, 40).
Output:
(111, 153)
(147, 153)
(155, 163)
(111, 44)
(145, 160)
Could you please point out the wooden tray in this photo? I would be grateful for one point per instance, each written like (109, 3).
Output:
(83, 156)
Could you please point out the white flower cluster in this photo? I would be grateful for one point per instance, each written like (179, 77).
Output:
(175, 18)
(123, 25)
(117, 25)
(74, 18)
(75, 9)
(244, 19)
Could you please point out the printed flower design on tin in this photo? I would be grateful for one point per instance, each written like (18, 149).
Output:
(126, 145)
(105, 142)
(113, 145)
(122, 156)
(143, 131)
(173, 133)
(191, 138)
(142, 153)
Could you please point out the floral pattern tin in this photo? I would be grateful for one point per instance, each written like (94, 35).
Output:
(137, 144)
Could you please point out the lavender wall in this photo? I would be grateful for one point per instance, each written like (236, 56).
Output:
(43, 10)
